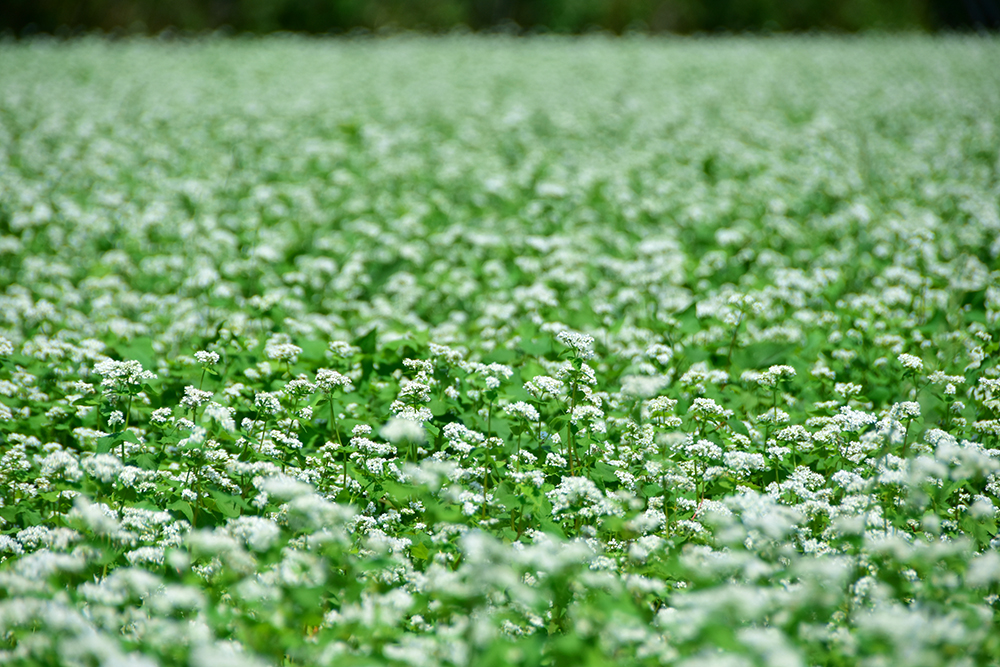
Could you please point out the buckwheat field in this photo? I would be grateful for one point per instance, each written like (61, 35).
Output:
(488, 351)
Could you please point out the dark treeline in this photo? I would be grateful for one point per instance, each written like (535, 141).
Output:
(25, 17)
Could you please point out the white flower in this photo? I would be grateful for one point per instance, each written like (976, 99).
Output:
(582, 344)
(771, 376)
(793, 433)
(282, 486)
(822, 371)
(221, 414)
(278, 349)
(194, 397)
(415, 392)
(984, 570)
(522, 410)
(553, 459)
(342, 349)
(707, 407)
(298, 388)
(104, 467)
(153, 555)
(582, 494)
(122, 375)
(161, 416)
(643, 386)
(223, 654)
(939, 377)
(744, 461)
(410, 413)
(399, 430)
(662, 353)
(267, 402)
(853, 420)
(847, 389)
(495, 372)
(701, 448)
(911, 362)
(327, 380)
(207, 358)
(586, 413)
(540, 385)
(257, 533)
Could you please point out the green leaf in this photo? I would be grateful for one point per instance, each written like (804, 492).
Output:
(737, 425)
(313, 350)
(139, 349)
(228, 505)
(108, 442)
(146, 461)
(762, 355)
(438, 407)
(536, 347)
(508, 499)
(184, 507)
(605, 472)
(367, 342)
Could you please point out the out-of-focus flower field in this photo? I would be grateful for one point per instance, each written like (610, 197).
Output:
(488, 351)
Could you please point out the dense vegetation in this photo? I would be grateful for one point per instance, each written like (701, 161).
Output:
(320, 16)
(484, 351)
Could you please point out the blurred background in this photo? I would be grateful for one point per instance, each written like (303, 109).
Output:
(69, 17)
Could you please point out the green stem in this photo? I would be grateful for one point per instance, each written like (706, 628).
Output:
(666, 509)
(486, 463)
(260, 436)
(517, 463)
(336, 431)
(700, 489)
(732, 341)
(246, 443)
(291, 418)
(197, 504)
(128, 413)
(570, 448)
(539, 432)
(774, 413)
(486, 480)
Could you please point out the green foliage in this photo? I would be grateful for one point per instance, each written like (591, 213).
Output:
(319, 16)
